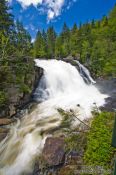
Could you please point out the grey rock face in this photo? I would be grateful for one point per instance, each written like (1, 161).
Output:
(53, 152)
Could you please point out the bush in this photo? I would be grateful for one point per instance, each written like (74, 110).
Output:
(99, 151)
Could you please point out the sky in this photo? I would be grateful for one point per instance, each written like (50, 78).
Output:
(40, 14)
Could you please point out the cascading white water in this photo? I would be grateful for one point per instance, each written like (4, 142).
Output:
(60, 87)
(85, 73)
(64, 87)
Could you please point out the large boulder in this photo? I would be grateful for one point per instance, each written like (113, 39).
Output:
(53, 152)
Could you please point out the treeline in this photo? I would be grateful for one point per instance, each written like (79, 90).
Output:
(15, 51)
(94, 43)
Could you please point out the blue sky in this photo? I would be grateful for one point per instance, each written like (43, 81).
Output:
(40, 14)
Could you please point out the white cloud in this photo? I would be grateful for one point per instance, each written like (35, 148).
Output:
(26, 3)
(51, 14)
(52, 8)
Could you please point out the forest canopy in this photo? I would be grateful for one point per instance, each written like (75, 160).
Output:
(93, 43)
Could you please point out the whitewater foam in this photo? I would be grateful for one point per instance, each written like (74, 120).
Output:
(60, 87)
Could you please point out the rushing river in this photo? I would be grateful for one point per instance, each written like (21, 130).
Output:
(61, 86)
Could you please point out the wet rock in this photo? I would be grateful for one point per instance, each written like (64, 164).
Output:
(5, 121)
(71, 60)
(2, 136)
(4, 130)
(110, 105)
(17, 99)
(3, 133)
(12, 109)
(108, 87)
(53, 152)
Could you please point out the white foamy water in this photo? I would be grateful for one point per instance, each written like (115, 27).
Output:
(85, 71)
(65, 87)
(60, 87)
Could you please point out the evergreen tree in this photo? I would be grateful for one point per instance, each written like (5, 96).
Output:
(65, 34)
(40, 46)
(23, 39)
(58, 47)
(93, 23)
(105, 21)
(74, 41)
(6, 19)
(93, 43)
(51, 38)
(112, 24)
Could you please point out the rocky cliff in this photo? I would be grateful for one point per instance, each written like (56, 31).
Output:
(17, 99)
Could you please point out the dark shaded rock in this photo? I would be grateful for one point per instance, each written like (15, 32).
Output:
(3, 133)
(71, 60)
(5, 121)
(2, 136)
(108, 87)
(110, 105)
(53, 152)
(4, 130)
(38, 74)
(16, 98)
(4, 111)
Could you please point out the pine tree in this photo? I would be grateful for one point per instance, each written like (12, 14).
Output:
(65, 34)
(51, 38)
(23, 39)
(112, 24)
(6, 19)
(40, 46)
(74, 41)
(105, 21)
(93, 23)
(58, 47)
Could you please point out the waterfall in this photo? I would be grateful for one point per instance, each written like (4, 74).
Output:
(61, 86)
(84, 72)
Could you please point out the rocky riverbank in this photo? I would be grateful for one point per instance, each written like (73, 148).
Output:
(16, 98)
(108, 86)
(18, 102)
(62, 151)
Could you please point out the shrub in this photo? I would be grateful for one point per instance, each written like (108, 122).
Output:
(99, 151)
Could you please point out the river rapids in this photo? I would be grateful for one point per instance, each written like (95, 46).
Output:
(61, 86)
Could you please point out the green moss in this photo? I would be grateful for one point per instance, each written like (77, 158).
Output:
(3, 98)
(99, 151)
(76, 142)
(25, 88)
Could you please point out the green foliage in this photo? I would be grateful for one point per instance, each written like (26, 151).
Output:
(23, 39)
(6, 21)
(24, 88)
(99, 151)
(44, 45)
(16, 65)
(93, 43)
(66, 118)
(40, 46)
(3, 98)
(51, 38)
(76, 142)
